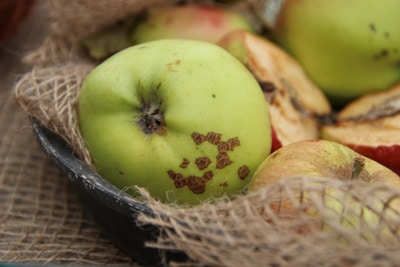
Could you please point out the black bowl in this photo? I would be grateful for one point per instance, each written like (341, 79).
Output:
(114, 210)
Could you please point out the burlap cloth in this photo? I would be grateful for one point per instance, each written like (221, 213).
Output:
(41, 219)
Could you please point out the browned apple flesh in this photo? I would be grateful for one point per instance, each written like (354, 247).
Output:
(373, 105)
(296, 103)
(371, 126)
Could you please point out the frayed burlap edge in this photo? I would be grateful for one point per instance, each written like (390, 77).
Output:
(251, 231)
(50, 95)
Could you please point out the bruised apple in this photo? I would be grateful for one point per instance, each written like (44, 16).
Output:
(181, 118)
(371, 126)
(297, 105)
(322, 159)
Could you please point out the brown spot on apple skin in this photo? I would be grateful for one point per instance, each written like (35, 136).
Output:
(382, 54)
(243, 172)
(233, 142)
(196, 184)
(213, 138)
(223, 160)
(208, 176)
(223, 147)
(185, 163)
(224, 184)
(372, 27)
(202, 162)
(179, 180)
(229, 145)
(179, 183)
(198, 138)
(170, 66)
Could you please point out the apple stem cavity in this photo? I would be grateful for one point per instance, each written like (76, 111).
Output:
(358, 166)
(152, 119)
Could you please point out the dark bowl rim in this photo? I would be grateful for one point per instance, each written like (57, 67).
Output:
(82, 175)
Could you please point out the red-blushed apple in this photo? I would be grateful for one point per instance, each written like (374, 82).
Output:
(183, 119)
(371, 126)
(297, 105)
(199, 22)
(322, 159)
(190, 21)
(348, 48)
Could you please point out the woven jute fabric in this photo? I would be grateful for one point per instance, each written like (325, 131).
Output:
(270, 227)
(42, 220)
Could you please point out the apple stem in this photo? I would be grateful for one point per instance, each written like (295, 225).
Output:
(358, 165)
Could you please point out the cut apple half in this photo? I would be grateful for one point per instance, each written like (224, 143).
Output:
(297, 105)
(371, 126)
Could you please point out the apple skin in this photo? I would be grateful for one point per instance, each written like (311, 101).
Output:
(181, 118)
(296, 103)
(348, 48)
(197, 22)
(376, 114)
(190, 21)
(320, 159)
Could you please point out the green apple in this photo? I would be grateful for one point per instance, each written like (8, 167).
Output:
(198, 22)
(190, 21)
(347, 47)
(339, 208)
(182, 118)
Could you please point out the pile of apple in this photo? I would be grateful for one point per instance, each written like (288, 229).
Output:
(231, 110)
